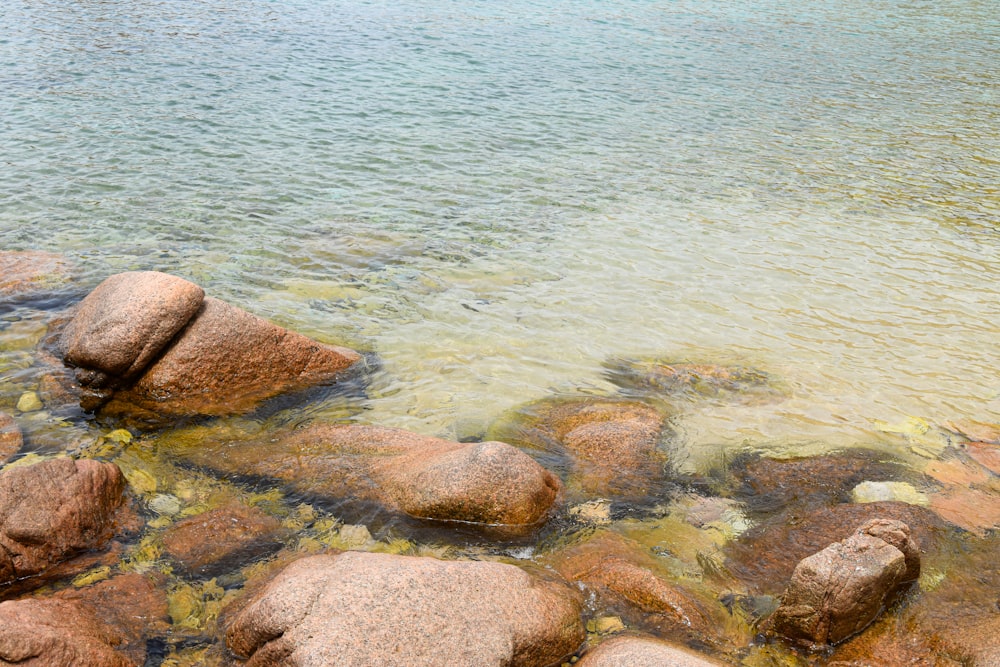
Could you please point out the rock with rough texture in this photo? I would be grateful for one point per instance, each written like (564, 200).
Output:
(766, 555)
(123, 324)
(101, 626)
(54, 510)
(427, 478)
(626, 579)
(377, 609)
(643, 652)
(693, 380)
(614, 446)
(227, 361)
(30, 274)
(222, 539)
(11, 439)
(975, 510)
(838, 591)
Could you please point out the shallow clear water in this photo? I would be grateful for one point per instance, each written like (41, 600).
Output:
(497, 198)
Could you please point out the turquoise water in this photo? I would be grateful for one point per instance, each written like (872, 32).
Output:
(498, 198)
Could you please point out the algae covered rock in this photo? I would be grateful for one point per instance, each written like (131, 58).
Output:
(54, 510)
(377, 609)
(486, 483)
(609, 446)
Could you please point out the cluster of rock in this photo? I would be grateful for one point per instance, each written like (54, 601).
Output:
(153, 347)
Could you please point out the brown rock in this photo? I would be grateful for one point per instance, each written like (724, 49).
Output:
(765, 556)
(614, 445)
(377, 609)
(123, 324)
(10, 437)
(54, 510)
(227, 361)
(838, 591)
(429, 478)
(58, 633)
(643, 652)
(30, 274)
(222, 539)
(627, 580)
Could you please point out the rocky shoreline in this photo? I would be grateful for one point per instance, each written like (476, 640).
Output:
(182, 536)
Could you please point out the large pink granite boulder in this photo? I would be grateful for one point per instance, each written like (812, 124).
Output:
(365, 609)
(488, 483)
(643, 652)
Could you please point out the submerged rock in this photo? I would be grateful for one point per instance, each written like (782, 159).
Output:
(692, 380)
(211, 543)
(105, 625)
(11, 439)
(625, 578)
(615, 446)
(643, 652)
(488, 483)
(377, 609)
(838, 591)
(28, 275)
(55, 510)
(150, 346)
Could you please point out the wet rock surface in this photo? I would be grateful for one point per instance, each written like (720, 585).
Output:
(837, 592)
(54, 510)
(27, 275)
(105, 625)
(222, 539)
(488, 483)
(643, 652)
(766, 555)
(615, 447)
(148, 347)
(365, 609)
(626, 579)
(11, 439)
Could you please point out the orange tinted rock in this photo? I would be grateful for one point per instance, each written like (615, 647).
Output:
(643, 652)
(986, 454)
(54, 510)
(429, 478)
(975, 430)
(10, 437)
(30, 274)
(123, 324)
(957, 472)
(224, 538)
(837, 592)
(377, 609)
(974, 510)
(692, 380)
(227, 361)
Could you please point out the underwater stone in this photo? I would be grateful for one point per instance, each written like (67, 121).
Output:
(11, 439)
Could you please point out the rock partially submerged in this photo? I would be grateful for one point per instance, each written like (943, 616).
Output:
(105, 625)
(488, 483)
(615, 447)
(838, 591)
(643, 652)
(377, 609)
(11, 439)
(151, 347)
(55, 510)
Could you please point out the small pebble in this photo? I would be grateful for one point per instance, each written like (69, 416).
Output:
(29, 402)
